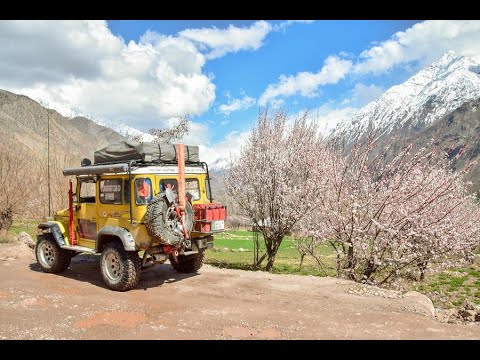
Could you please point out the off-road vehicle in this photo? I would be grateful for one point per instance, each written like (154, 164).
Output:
(137, 205)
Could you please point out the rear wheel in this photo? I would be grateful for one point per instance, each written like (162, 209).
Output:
(51, 257)
(188, 263)
(120, 269)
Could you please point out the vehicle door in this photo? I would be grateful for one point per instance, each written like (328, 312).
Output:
(85, 216)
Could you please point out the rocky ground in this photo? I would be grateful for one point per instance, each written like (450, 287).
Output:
(213, 304)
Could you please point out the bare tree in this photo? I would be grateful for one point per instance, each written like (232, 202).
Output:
(276, 179)
(175, 133)
(19, 180)
(387, 216)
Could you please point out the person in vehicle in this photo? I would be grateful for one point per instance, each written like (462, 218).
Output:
(144, 191)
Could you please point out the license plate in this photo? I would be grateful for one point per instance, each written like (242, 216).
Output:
(218, 225)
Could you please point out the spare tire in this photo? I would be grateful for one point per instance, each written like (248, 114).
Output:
(162, 222)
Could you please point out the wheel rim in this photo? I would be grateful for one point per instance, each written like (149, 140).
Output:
(112, 267)
(47, 254)
(171, 219)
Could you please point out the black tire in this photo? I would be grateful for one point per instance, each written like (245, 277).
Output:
(51, 257)
(120, 269)
(189, 263)
(159, 224)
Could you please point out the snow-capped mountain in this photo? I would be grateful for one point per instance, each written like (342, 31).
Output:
(424, 98)
(441, 102)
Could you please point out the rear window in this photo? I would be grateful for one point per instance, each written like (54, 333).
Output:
(191, 186)
(165, 182)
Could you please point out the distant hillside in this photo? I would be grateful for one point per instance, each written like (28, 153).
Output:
(440, 102)
(23, 150)
(24, 127)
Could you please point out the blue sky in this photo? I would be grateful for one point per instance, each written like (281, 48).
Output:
(145, 74)
(300, 47)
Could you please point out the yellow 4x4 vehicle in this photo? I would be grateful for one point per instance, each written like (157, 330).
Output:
(128, 207)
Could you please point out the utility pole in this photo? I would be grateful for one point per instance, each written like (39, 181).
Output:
(48, 163)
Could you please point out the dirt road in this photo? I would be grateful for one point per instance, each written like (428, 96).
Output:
(214, 304)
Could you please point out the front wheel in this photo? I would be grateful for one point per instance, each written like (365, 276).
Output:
(187, 263)
(51, 257)
(120, 269)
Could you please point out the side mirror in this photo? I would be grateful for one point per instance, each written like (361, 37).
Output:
(74, 197)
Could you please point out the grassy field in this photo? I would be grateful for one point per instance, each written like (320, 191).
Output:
(451, 288)
(29, 226)
(234, 250)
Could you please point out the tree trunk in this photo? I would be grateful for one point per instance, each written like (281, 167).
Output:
(369, 269)
(351, 262)
(423, 268)
(301, 260)
(259, 261)
(271, 260)
(272, 245)
(6, 218)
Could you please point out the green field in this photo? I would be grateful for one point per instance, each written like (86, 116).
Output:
(234, 250)
(29, 226)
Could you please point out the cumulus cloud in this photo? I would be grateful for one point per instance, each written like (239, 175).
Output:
(219, 42)
(424, 42)
(48, 51)
(231, 39)
(237, 104)
(307, 83)
(80, 67)
(420, 45)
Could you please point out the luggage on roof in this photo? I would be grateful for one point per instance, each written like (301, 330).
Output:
(146, 152)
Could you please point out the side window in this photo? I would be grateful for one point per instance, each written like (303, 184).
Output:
(143, 190)
(126, 191)
(87, 191)
(111, 191)
(209, 196)
(192, 187)
(164, 183)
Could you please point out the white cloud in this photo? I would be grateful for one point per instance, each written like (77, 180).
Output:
(284, 24)
(231, 39)
(218, 155)
(219, 42)
(48, 51)
(363, 94)
(420, 44)
(307, 83)
(329, 116)
(423, 42)
(80, 67)
(237, 104)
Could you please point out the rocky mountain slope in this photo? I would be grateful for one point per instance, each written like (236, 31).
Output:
(427, 96)
(24, 124)
(441, 102)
